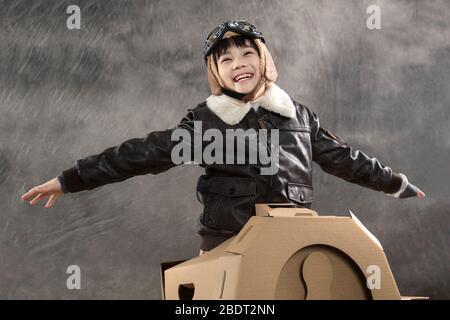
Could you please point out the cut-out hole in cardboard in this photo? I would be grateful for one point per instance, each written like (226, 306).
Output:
(186, 291)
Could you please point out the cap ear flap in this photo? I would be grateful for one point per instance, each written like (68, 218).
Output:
(271, 73)
(212, 79)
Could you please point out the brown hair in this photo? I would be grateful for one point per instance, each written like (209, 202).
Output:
(238, 41)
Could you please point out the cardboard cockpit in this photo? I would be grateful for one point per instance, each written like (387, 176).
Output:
(287, 253)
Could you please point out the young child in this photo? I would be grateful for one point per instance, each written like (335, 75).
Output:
(241, 76)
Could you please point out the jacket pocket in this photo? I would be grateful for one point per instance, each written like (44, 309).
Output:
(288, 124)
(230, 203)
(301, 194)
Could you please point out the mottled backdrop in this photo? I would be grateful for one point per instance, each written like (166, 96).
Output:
(136, 66)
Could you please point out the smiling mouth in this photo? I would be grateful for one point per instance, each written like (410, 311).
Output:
(243, 77)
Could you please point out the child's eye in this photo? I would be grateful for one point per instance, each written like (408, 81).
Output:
(248, 52)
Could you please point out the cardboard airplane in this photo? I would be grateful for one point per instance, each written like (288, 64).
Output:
(287, 253)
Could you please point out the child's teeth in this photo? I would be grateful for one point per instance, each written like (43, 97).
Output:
(248, 76)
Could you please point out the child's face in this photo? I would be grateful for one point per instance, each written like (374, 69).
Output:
(238, 61)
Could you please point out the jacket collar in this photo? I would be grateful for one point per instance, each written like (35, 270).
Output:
(232, 111)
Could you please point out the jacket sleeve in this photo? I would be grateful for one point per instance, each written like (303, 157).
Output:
(338, 158)
(138, 156)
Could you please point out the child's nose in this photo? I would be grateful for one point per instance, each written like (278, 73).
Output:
(238, 65)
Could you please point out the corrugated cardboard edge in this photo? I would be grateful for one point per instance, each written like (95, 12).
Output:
(163, 267)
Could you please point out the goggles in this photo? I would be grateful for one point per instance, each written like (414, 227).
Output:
(242, 27)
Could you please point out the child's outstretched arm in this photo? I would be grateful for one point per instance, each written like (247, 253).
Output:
(336, 157)
(151, 154)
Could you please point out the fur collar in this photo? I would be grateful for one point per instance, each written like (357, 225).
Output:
(232, 111)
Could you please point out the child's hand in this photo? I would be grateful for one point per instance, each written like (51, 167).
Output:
(407, 190)
(51, 188)
(412, 191)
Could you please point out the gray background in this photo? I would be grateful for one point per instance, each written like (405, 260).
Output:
(135, 67)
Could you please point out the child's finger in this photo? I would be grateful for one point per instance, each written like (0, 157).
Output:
(51, 201)
(32, 192)
(421, 194)
(38, 198)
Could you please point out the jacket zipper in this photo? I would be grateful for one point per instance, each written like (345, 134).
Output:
(297, 129)
(262, 125)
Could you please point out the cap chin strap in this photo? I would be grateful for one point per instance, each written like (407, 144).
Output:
(258, 91)
(233, 94)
